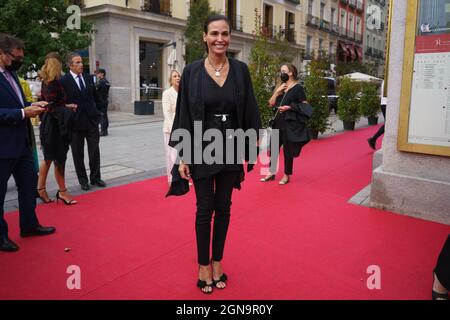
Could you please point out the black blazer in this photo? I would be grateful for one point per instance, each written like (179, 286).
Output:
(191, 107)
(87, 114)
(14, 131)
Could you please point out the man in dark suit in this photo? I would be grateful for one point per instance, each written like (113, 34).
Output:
(16, 157)
(80, 90)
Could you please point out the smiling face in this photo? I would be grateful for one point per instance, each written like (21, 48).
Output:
(218, 37)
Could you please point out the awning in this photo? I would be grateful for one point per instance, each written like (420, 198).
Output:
(359, 52)
(344, 48)
(351, 49)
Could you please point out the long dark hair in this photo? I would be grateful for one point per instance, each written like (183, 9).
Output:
(292, 69)
(211, 18)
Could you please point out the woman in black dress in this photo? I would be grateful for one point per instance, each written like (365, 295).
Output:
(54, 131)
(217, 92)
(291, 113)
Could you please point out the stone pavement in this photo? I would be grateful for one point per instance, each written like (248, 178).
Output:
(133, 151)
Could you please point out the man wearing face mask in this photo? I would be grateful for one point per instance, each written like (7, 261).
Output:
(16, 157)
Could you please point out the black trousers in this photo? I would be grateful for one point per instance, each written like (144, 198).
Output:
(213, 195)
(381, 130)
(288, 157)
(104, 122)
(92, 137)
(442, 269)
(24, 173)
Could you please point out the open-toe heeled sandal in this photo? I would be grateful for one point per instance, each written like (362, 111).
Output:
(48, 200)
(223, 278)
(203, 284)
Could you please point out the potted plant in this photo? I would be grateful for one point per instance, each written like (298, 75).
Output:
(370, 102)
(348, 103)
(316, 92)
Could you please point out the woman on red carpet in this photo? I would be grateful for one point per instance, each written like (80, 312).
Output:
(216, 92)
(291, 113)
(55, 130)
(169, 103)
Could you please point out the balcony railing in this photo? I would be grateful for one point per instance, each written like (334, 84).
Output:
(344, 1)
(375, 53)
(289, 35)
(343, 32)
(236, 22)
(351, 35)
(335, 29)
(381, 2)
(312, 21)
(352, 3)
(325, 25)
(294, 1)
(358, 37)
(269, 31)
(162, 7)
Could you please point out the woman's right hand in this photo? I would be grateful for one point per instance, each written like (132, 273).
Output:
(281, 89)
(72, 106)
(184, 171)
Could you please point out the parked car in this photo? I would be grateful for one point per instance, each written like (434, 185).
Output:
(332, 96)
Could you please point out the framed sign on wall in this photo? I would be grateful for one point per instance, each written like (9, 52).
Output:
(425, 99)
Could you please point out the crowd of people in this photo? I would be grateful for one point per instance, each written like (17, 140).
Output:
(70, 108)
(217, 91)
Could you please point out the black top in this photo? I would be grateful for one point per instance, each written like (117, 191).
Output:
(191, 107)
(295, 95)
(55, 128)
(220, 114)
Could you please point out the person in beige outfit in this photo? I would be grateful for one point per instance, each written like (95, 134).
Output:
(169, 104)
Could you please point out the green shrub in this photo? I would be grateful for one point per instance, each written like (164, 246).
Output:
(370, 100)
(316, 88)
(348, 103)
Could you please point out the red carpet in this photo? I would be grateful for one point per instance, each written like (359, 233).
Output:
(300, 241)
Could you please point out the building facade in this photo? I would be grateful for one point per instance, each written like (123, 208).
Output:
(320, 32)
(374, 41)
(351, 28)
(138, 42)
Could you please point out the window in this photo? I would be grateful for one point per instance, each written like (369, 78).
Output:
(150, 69)
(310, 6)
(320, 45)
(333, 13)
(322, 11)
(308, 45)
(268, 20)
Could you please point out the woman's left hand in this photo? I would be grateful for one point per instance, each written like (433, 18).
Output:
(284, 108)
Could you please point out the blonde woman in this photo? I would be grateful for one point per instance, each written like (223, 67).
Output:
(54, 130)
(169, 104)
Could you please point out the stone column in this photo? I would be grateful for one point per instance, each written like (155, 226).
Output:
(413, 184)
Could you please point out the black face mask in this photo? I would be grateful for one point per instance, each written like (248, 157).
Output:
(15, 65)
(284, 77)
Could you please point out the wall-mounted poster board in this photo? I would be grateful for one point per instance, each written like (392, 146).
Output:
(425, 100)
